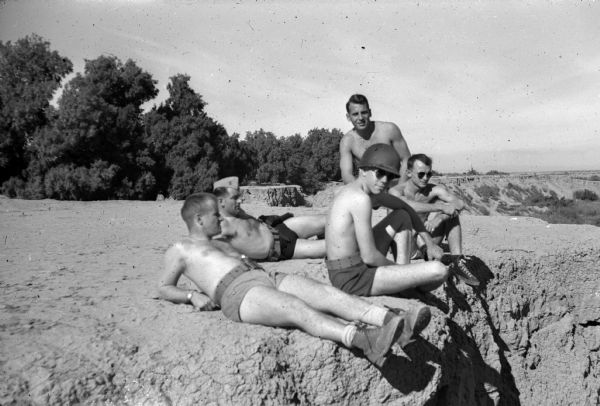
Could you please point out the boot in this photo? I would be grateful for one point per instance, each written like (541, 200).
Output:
(375, 343)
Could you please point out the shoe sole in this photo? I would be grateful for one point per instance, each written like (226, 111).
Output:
(385, 342)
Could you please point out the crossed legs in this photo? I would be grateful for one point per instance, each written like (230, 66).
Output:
(310, 306)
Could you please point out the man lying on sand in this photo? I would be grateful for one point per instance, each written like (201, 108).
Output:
(356, 254)
(247, 293)
(274, 238)
(422, 196)
(365, 133)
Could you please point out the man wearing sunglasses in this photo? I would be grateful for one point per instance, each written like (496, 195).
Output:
(356, 252)
(365, 133)
(424, 198)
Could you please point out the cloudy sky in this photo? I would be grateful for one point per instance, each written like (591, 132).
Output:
(491, 85)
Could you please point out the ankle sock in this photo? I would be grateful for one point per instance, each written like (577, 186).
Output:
(349, 335)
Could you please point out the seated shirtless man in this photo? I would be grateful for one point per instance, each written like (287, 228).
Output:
(247, 293)
(424, 197)
(356, 253)
(274, 239)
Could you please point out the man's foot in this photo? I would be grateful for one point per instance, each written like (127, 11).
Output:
(459, 266)
(415, 321)
(377, 342)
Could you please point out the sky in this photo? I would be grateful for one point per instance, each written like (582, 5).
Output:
(488, 85)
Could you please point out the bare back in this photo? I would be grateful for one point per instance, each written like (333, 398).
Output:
(248, 235)
(204, 262)
(340, 230)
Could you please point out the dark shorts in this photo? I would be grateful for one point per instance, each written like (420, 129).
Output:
(351, 275)
(284, 243)
(235, 285)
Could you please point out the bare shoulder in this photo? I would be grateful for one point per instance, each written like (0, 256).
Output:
(390, 129)
(398, 189)
(351, 196)
(347, 140)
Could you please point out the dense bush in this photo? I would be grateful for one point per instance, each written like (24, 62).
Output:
(585, 194)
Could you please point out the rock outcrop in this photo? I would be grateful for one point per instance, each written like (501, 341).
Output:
(277, 195)
(79, 324)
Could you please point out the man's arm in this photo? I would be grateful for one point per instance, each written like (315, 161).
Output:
(361, 210)
(422, 207)
(401, 147)
(443, 194)
(392, 202)
(346, 160)
(167, 286)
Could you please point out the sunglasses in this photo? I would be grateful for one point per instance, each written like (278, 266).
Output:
(424, 174)
(380, 173)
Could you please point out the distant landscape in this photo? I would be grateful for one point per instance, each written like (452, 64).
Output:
(556, 197)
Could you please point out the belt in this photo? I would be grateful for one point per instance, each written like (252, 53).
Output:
(345, 262)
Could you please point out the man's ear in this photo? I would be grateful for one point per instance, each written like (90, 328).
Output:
(348, 117)
(199, 219)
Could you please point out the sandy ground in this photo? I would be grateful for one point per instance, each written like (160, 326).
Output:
(76, 276)
(75, 272)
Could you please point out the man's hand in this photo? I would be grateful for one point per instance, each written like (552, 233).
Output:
(202, 302)
(447, 208)
(434, 223)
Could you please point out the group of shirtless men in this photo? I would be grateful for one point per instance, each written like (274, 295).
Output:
(224, 242)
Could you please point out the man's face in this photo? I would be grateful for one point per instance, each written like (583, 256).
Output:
(359, 115)
(378, 179)
(211, 221)
(230, 204)
(419, 174)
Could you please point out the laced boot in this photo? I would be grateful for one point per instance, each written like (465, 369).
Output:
(376, 342)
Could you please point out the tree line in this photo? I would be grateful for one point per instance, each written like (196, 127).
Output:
(98, 143)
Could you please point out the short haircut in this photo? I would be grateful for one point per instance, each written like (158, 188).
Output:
(356, 99)
(221, 191)
(418, 157)
(197, 203)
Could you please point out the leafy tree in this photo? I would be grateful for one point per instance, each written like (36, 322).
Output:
(94, 148)
(321, 157)
(30, 73)
(187, 145)
(270, 156)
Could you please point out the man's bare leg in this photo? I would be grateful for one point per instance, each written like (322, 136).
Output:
(309, 249)
(396, 226)
(328, 299)
(454, 235)
(306, 226)
(397, 278)
(270, 307)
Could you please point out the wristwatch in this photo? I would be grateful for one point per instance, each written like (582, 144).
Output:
(189, 296)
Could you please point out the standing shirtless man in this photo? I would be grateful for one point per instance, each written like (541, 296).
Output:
(247, 293)
(274, 239)
(356, 253)
(424, 197)
(366, 133)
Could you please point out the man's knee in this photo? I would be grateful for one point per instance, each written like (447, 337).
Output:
(400, 220)
(438, 271)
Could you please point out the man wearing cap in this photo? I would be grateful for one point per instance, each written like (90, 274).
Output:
(270, 238)
(423, 197)
(365, 133)
(356, 253)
